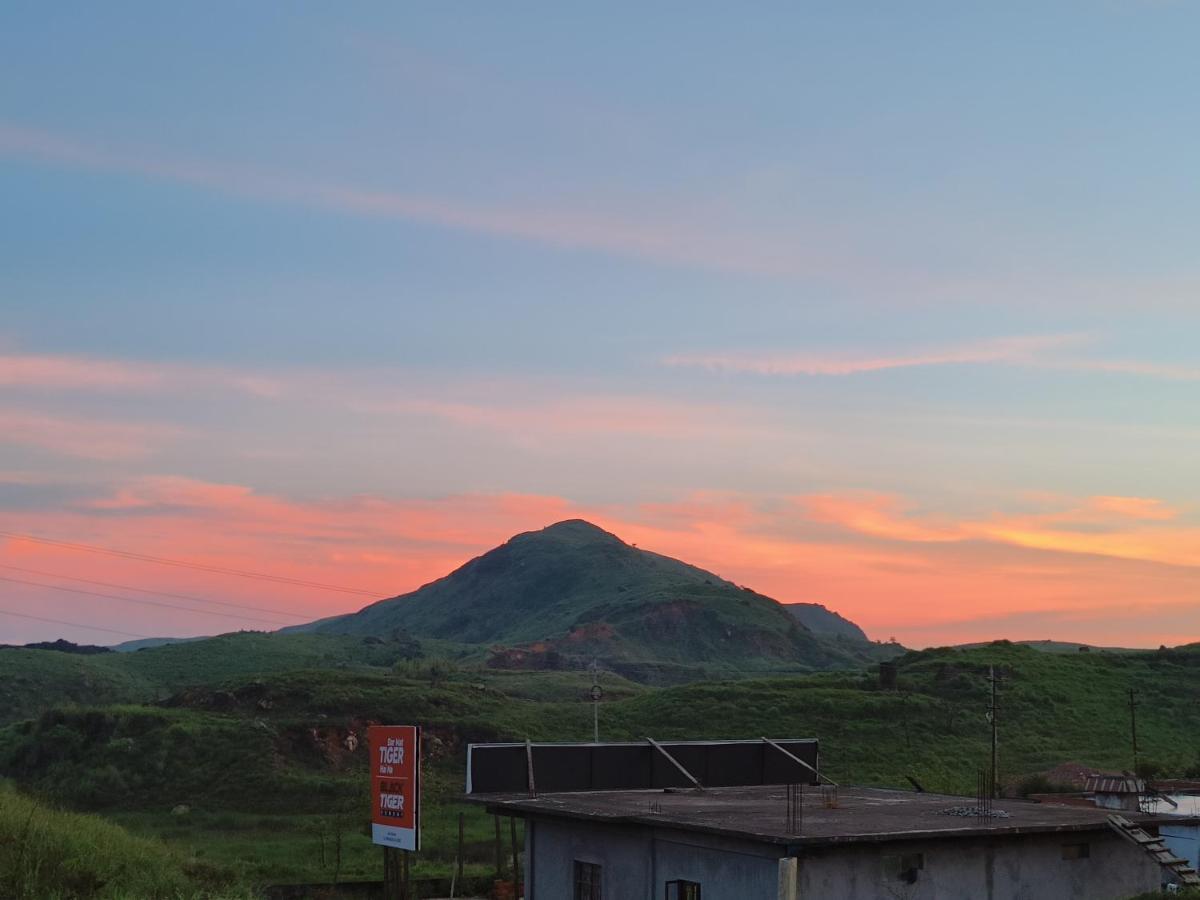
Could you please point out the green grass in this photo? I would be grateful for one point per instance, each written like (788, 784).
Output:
(261, 760)
(31, 680)
(49, 854)
(253, 653)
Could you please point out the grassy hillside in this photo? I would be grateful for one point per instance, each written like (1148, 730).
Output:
(49, 854)
(33, 680)
(820, 620)
(266, 768)
(578, 592)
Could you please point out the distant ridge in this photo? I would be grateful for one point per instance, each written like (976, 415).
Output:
(573, 591)
(821, 620)
(146, 643)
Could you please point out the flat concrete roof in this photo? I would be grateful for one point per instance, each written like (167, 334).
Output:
(759, 813)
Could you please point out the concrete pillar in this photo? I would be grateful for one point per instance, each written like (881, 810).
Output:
(788, 878)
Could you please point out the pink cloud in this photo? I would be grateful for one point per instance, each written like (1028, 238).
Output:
(83, 373)
(84, 438)
(75, 372)
(1010, 350)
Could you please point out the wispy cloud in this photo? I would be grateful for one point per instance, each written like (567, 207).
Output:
(1057, 352)
(532, 418)
(1025, 350)
(84, 438)
(48, 372)
(1132, 528)
(648, 235)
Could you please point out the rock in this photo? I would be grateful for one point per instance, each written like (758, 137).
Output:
(181, 810)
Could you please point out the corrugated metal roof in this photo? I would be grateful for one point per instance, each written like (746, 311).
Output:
(1114, 784)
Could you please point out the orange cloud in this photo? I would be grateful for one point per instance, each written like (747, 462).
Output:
(1124, 527)
(922, 579)
(879, 515)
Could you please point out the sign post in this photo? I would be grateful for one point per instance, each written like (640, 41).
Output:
(395, 798)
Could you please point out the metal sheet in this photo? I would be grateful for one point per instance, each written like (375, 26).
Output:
(566, 768)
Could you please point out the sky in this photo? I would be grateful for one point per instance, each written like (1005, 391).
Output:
(891, 307)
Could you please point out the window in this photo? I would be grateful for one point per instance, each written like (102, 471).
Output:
(903, 868)
(1076, 851)
(683, 890)
(587, 881)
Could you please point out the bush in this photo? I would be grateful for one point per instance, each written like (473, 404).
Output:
(47, 854)
(1040, 784)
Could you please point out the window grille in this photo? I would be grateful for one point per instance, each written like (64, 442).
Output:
(683, 890)
(587, 881)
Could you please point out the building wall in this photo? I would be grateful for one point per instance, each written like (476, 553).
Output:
(1030, 867)
(638, 862)
(1183, 841)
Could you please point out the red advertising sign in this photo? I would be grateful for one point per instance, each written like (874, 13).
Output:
(395, 785)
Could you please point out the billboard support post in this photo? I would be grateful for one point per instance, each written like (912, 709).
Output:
(395, 752)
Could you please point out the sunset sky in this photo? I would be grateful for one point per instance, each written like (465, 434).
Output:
(892, 307)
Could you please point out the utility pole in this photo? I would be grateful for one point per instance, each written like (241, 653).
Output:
(596, 693)
(993, 717)
(1133, 728)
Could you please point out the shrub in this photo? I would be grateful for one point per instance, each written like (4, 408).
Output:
(48, 854)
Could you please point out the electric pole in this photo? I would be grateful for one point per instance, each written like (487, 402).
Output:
(596, 693)
(993, 717)
(1133, 729)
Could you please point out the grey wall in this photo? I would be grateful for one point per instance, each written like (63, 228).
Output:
(1019, 868)
(638, 862)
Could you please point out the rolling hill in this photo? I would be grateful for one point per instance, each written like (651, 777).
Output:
(819, 619)
(572, 592)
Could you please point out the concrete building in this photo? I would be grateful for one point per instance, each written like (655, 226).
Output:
(744, 843)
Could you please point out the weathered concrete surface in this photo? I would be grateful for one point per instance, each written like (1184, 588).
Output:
(1026, 867)
(638, 862)
(759, 814)
(735, 842)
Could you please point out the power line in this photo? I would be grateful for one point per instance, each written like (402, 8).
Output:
(207, 612)
(9, 612)
(184, 564)
(127, 587)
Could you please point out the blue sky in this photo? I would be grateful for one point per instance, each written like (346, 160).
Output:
(684, 270)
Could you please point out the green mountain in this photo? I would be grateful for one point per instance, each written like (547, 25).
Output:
(821, 620)
(572, 592)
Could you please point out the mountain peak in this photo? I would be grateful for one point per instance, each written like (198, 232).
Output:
(574, 530)
(583, 593)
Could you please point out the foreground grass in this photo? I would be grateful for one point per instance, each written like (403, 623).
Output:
(49, 854)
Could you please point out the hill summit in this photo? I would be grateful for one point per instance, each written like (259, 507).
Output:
(572, 592)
